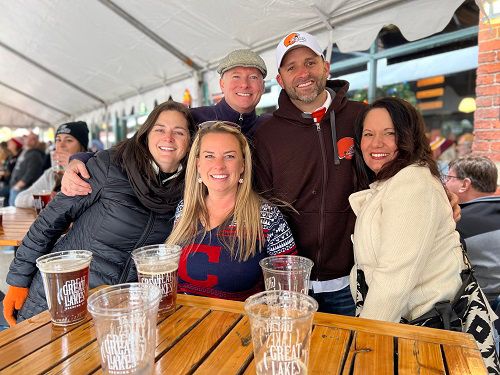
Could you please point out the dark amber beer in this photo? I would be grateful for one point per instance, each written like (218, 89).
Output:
(41, 199)
(157, 265)
(66, 283)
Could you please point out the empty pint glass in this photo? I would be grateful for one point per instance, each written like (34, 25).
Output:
(287, 272)
(125, 325)
(65, 277)
(281, 324)
(157, 265)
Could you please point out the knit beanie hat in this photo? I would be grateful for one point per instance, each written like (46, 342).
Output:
(77, 129)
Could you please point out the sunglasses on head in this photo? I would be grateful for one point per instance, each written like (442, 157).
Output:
(209, 124)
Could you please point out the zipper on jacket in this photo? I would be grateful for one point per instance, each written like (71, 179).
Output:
(323, 193)
(145, 235)
(240, 120)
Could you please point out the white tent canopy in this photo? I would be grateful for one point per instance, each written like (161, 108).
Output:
(66, 59)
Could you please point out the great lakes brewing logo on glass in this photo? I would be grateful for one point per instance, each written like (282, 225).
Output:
(124, 347)
(284, 350)
(281, 323)
(65, 276)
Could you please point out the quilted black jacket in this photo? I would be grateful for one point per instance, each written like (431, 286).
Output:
(110, 222)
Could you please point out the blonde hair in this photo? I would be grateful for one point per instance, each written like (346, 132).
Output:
(246, 211)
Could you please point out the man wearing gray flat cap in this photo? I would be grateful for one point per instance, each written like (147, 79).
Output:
(242, 74)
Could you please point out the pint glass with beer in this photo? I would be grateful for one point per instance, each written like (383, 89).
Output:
(65, 277)
(157, 265)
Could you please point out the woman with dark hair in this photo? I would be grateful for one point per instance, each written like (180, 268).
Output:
(407, 252)
(71, 137)
(136, 187)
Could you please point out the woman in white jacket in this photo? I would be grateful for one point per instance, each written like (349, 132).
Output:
(407, 252)
(71, 138)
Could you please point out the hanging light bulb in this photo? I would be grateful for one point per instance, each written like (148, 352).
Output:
(467, 105)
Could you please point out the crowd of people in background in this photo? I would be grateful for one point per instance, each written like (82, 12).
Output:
(360, 190)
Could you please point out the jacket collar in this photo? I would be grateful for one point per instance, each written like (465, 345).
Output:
(245, 120)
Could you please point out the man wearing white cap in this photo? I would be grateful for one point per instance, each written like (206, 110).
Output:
(304, 156)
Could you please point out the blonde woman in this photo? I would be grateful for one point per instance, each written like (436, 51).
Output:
(225, 228)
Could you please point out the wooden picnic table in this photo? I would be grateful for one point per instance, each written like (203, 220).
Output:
(15, 224)
(212, 336)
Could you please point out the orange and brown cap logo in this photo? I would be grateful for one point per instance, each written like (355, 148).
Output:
(290, 39)
(346, 148)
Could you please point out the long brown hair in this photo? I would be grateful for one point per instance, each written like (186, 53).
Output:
(412, 143)
(137, 146)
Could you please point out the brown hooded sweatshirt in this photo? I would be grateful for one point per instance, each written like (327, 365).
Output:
(295, 163)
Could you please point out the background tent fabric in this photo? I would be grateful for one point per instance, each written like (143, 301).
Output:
(61, 59)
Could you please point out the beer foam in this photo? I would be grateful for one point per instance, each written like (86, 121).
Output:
(63, 265)
(156, 268)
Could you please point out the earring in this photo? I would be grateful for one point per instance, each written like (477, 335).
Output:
(199, 180)
(240, 180)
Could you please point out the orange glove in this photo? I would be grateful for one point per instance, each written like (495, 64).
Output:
(14, 299)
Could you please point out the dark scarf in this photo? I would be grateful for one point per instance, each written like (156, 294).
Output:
(154, 196)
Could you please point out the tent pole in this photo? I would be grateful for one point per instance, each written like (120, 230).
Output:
(372, 69)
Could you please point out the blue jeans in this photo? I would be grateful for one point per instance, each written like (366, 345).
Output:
(338, 302)
(12, 197)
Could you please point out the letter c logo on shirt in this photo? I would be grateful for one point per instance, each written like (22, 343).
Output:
(213, 255)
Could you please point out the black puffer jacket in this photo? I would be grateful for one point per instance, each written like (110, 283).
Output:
(110, 222)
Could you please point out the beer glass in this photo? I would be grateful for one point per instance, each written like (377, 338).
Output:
(65, 276)
(56, 167)
(287, 272)
(41, 199)
(125, 325)
(157, 265)
(281, 325)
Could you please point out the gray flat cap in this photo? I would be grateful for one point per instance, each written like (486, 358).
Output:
(242, 57)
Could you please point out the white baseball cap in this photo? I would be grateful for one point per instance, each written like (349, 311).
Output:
(296, 39)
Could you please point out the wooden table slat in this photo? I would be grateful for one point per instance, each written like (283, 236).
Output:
(38, 339)
(24, 328)
(251, 369)
(15, 224)
(370, 354)
(175, 327)
(190, 351)
(45, 358)
(462, 360)
(328, 348)
(419, 358)
(233, 354)
(85, 361)
(395, 329)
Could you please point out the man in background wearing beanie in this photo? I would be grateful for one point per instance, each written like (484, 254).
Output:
(242, 83)
(71, 138)
(242, 74)
(29, 167)
(304, 157)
